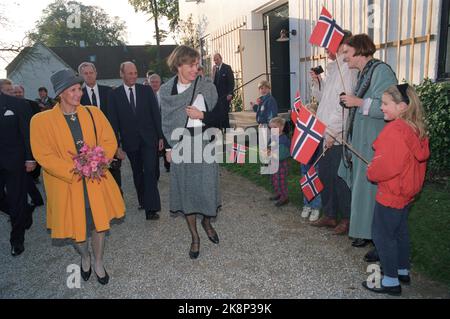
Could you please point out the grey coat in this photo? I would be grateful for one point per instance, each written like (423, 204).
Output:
(194, 186)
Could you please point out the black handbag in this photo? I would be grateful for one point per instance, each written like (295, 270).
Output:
(116, 163)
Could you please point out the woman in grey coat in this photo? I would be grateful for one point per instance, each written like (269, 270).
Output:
(194, 188)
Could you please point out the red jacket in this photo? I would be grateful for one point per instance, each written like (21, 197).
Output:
(398, 165)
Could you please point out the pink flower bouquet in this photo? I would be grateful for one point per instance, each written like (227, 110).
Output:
(91, 163)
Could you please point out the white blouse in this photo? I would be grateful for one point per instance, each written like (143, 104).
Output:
(199, 103)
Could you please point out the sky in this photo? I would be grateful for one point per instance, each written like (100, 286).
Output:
(22, 16)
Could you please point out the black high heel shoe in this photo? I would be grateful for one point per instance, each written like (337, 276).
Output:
(214, 238)
(194, 254)
(85, 274)
(103, 280)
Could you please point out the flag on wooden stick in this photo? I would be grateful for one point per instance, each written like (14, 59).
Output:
(308, 133)
(327, 33)
(237, 154)
(311, 184)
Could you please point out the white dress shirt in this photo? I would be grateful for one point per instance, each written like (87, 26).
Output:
(127, 92)
(97, 94)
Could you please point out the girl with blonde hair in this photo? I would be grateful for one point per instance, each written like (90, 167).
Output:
(398, 167)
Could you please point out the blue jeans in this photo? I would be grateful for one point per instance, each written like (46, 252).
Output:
(316, 203)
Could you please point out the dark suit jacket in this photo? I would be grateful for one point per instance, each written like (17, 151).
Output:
(224, 81)
(14, 132)
(34, 107)
(131, 127)
(103, 91)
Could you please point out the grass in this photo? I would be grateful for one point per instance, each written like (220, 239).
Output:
(429, 221)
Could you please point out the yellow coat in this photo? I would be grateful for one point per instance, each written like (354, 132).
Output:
(51, 142)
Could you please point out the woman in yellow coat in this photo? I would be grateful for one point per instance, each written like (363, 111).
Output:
(76, 207)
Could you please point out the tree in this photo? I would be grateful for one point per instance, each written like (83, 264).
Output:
(69, 23)
(190, 33)
(157, 9)
(8, 49)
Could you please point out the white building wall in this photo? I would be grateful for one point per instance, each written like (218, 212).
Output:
(409, 61)
(35, 70)
(218, 13)
(387, 20)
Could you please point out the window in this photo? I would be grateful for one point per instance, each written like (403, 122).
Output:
(444, 47)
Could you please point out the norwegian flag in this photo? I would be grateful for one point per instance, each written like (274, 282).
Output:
(311, 184)
(296, 107)
(237, 154)
(307, 136)
(327, 33)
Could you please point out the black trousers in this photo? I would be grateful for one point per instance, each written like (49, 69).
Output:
(36, 172)
(16, 200)
(336, 195)
(33, 191)
(143, 163)
(224, 105)
(391, 238)
(166, 163)
(3, 203)
(116, 174)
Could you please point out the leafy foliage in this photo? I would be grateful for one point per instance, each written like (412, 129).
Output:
(435, 98)
(157, 9)
(96, 27)
(189, 32)
(163, 68)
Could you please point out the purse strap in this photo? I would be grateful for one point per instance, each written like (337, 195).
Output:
(192, 99)
(93, 122)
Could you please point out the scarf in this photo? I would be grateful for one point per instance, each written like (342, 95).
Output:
(173, 105)
(362, 86)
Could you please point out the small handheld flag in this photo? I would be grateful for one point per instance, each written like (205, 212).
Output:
(311, 184)
(296, 107)
(237, 154)
(327, 33)
(307, 135)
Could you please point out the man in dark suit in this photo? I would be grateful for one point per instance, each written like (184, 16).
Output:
(32, 177)
(134, 115)
(224, 81)
(97, 95)
(15, 160)
(155, 82)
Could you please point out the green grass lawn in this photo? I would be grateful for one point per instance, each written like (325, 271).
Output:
(429, 221)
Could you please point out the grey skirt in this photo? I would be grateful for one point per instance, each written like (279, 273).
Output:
(194, 188)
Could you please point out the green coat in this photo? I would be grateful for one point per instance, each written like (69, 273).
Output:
(365, 131)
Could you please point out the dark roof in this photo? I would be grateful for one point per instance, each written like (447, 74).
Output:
(14, 63)
(107, 60)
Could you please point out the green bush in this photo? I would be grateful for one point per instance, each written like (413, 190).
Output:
(435, 98)
(237, 103)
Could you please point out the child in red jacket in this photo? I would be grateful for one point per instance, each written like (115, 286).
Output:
(398, 167)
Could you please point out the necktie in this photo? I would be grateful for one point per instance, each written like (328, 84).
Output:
(217, 74)
(94, 98)
(133, 105)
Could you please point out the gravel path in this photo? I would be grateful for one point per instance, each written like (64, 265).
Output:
(264, 252)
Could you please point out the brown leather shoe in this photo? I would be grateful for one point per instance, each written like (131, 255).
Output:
(325, 221)
(342, 227)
